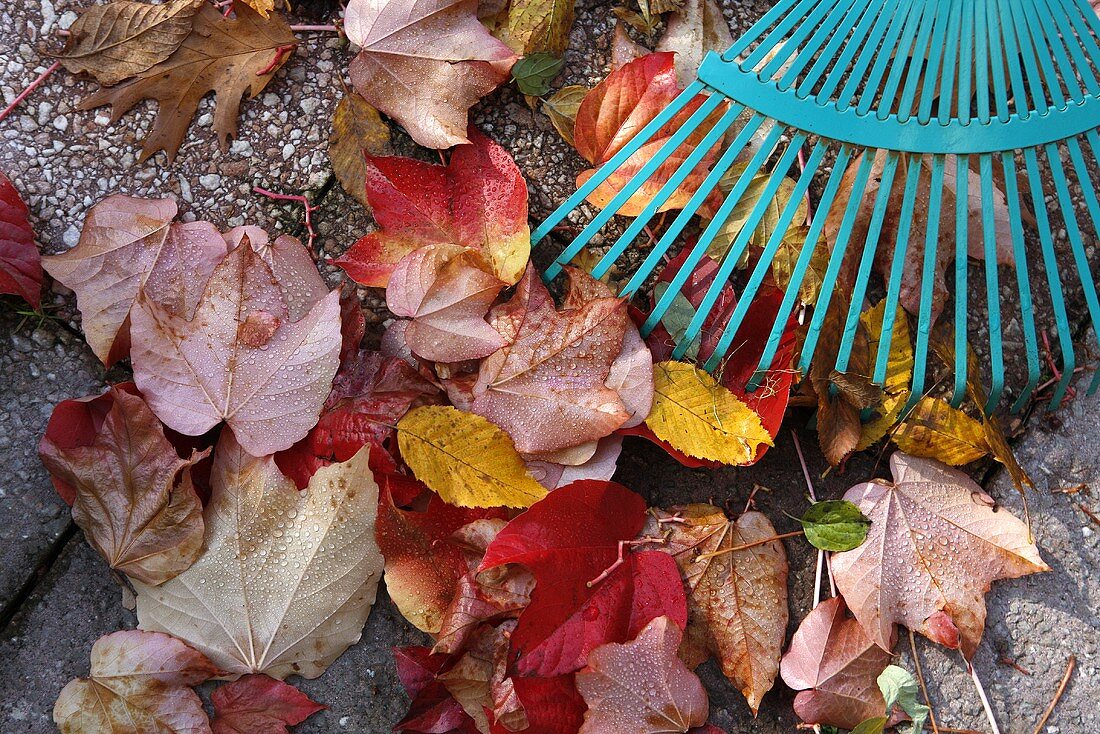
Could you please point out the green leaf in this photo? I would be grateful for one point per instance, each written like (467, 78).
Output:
(835, 525)
(871, 726)
(899, 688)
(534, 73)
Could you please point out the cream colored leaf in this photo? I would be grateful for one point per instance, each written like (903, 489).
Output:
(287, 578)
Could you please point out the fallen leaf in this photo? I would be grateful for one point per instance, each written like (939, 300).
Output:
(126, 242)
(641, 686)
(20, 265)
(786, 258)
(446, 291)
(899, 688)
(601, 465)
(561, 107)
(478, 200)
(738, 217)
(534, 73)
(548, 386)
(425, 65)
(423, 566)
(287, 578)
(228, 56)
(238, 359)
(357, 130)
(935, 430)
(465, 459)
(134, 497)
(623, 48)
(552, 705)
(934, 547)
(139, 683)
(615, 110)
(834, 525)
(694, 29)
(433, 708)
(834, 665)
(568, 541)
(899, 371)
(291, 264)
(701, 418)
(122, 39)
(258, 704)
(737, 600)
(539, 26)
(479, 678)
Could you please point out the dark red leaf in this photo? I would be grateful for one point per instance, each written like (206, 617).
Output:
(20, 264)
(553, 705)
(258, 704)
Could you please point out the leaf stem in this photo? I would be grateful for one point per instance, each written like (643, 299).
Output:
(621, 559)
(822, 559)
(29, 88)
(981, 694)
(923, 687)
(1057, 694)
(746, 546)
(301, 199)
(315, 28)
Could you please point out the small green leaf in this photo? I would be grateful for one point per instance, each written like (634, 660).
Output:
(871, 726)
(899, 688)
(835, 525)
(534, 73)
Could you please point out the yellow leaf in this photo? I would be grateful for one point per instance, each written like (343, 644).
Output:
(561, 107)
(465, 459)
(741, 212)
(787, 255)
(701, 418)
(263, 7)
(899, 371)
(936, 430)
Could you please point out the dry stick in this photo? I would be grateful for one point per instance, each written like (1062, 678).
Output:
(746, 546)
(981, 694)
(822, 560)
(1089, 513)
(923, 687)
(30, 88)
(1057, 694)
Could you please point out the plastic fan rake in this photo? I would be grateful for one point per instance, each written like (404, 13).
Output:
(969, 90)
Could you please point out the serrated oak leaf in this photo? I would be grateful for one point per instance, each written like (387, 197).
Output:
(287, 578)
(20, 264)
(134, 498)
(641, 686)
(615, 110)
(935, 546)
(122, 39)
(737, 600)
(259, 704)
(425, 64)
(478, 200)
(568, 540)
(239, 358)
(834, 665)
(139, 683)
(228, 56)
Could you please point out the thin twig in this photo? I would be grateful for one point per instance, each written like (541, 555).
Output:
(621, 559)
(314, 29)
(301, 199)
(822, 559)
(1057, 694)
(923, 687)
(280, 54)
(981, 694)
(746, 546)
(1089, 513)
(30, 88)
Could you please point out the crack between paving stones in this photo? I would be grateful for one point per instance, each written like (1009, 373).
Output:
(30, 584)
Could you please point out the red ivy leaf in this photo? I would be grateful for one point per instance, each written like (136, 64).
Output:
(258, 704)
(20, 264)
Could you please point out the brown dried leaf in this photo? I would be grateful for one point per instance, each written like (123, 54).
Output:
(561, 107)
(222, 55)
(356, 128)
(134, 497)
(737, 601)
(641, 687)
(935, 545)
(122, 39)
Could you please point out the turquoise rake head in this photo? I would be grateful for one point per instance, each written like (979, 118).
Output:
(976, 85)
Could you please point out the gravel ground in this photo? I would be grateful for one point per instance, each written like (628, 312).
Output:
(56, 596)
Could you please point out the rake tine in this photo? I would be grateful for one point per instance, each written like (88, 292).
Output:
(892, 46)
(947, 85)
(807, 53)
(859, 41)
(790, 295)
(1054, 283)
(1070, 71)
(763, 264)
(865, 12)
(1084, 272)
(1012, 56)
(682, 172)
(912, 69)
(836, 257)
(932, 73)
(992, 285)
(981, 60)
(1023, 281)
(1049, 75)
(1088, 282)
(1065, 69)
(867, 259)
(739, 245)
(617, 160)
(678, 224)
(962, 273)
(1082, 31)
(924, 318)
(966, 55)
(871, 48)
(1028, 54)
(777, 12)
(636, 182)
(776, 36)
(1000, 88)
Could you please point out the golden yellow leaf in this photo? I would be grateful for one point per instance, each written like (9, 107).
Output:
(701, 418)
(899, 371)
(465, 459)
(739, 216)
(263, 7)
(787, 255)
(935, 430)
(561, 107)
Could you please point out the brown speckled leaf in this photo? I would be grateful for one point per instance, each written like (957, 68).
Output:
(288, 577)
(935, 545)
(134, 497)
(357, 128)
(834, 666)
(737, 601)
(641, 687)
(222, 55)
